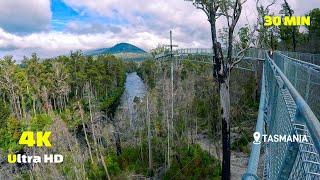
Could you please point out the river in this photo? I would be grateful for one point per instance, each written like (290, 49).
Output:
(134, 87)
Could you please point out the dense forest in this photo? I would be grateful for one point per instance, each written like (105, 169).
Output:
(77, 98)
(68, 95)
(175, 129)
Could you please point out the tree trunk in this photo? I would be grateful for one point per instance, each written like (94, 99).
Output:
(85, 132)
(149, 139)
(91, 120)
(24, 111)
(14, 104)
(34, 105)
(64, 102)
(221, 75)
(293, 35)
(54, 103)
(19, 106)
(104, 166)
(225, 112)
(117, 138)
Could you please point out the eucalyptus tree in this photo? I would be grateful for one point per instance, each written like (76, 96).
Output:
(9, 84)
(61, 81)
(22, 85)
(231, 10)
(287, 11)
(267, 35)
(313, 35)
(34, 72)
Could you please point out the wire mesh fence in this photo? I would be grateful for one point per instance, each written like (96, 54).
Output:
(288, 160)
(306, 57)
(283, 107)
(279, 123)
(304, 77)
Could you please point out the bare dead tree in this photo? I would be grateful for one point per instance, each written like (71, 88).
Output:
(115, 124)
(90, 97)
(149, 137)
(222, 67)
(85, 131)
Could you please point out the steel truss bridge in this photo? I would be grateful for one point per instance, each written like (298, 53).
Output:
(289, 105)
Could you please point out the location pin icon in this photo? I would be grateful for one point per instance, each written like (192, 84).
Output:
(256, 137)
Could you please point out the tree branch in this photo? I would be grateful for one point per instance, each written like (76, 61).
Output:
(251, 35)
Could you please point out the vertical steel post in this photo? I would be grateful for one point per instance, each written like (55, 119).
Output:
(308, 86)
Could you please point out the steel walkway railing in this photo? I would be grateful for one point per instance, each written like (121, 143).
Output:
(306, 57)
(285, 112)
(304, 76)
(251, 53)
(289, 105)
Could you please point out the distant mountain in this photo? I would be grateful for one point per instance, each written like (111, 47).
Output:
(118, 48)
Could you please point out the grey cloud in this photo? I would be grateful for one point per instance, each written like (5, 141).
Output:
(20, 16)
(9, 47)
(145, 29)
(88, 28)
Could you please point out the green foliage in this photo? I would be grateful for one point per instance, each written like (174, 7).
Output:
(286, 35)
(39, 122)
(112, 164)
(247, 98)
(314, 27)
(95, 170)
(111, 102)
(241, 144)
(147, 71)
(193, 162)
(244, 36)
(201, 107)
(10, 134)
(136, 100)
(4, 112)
(205, 105)
(71, 117)
(131, 67)
(187, 67)
(132, 160)
(37, 90)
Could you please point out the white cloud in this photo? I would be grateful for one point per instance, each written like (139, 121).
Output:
(21, 16)
(90, 28)
(48, 44)
(148, 24)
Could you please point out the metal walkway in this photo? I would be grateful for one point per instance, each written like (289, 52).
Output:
(289, 105)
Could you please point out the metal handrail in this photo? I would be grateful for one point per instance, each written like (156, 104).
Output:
(201, 51)
(303, 108)
(303, 111)
(253, 162)
(301, 53)
(314, 66)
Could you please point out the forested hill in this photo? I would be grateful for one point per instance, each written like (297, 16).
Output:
(125, 51)
(118, 48)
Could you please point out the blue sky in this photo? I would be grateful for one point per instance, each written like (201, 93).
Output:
(54, 27)
(62, 14)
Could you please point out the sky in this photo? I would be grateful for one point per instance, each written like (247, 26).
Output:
(55, 27)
